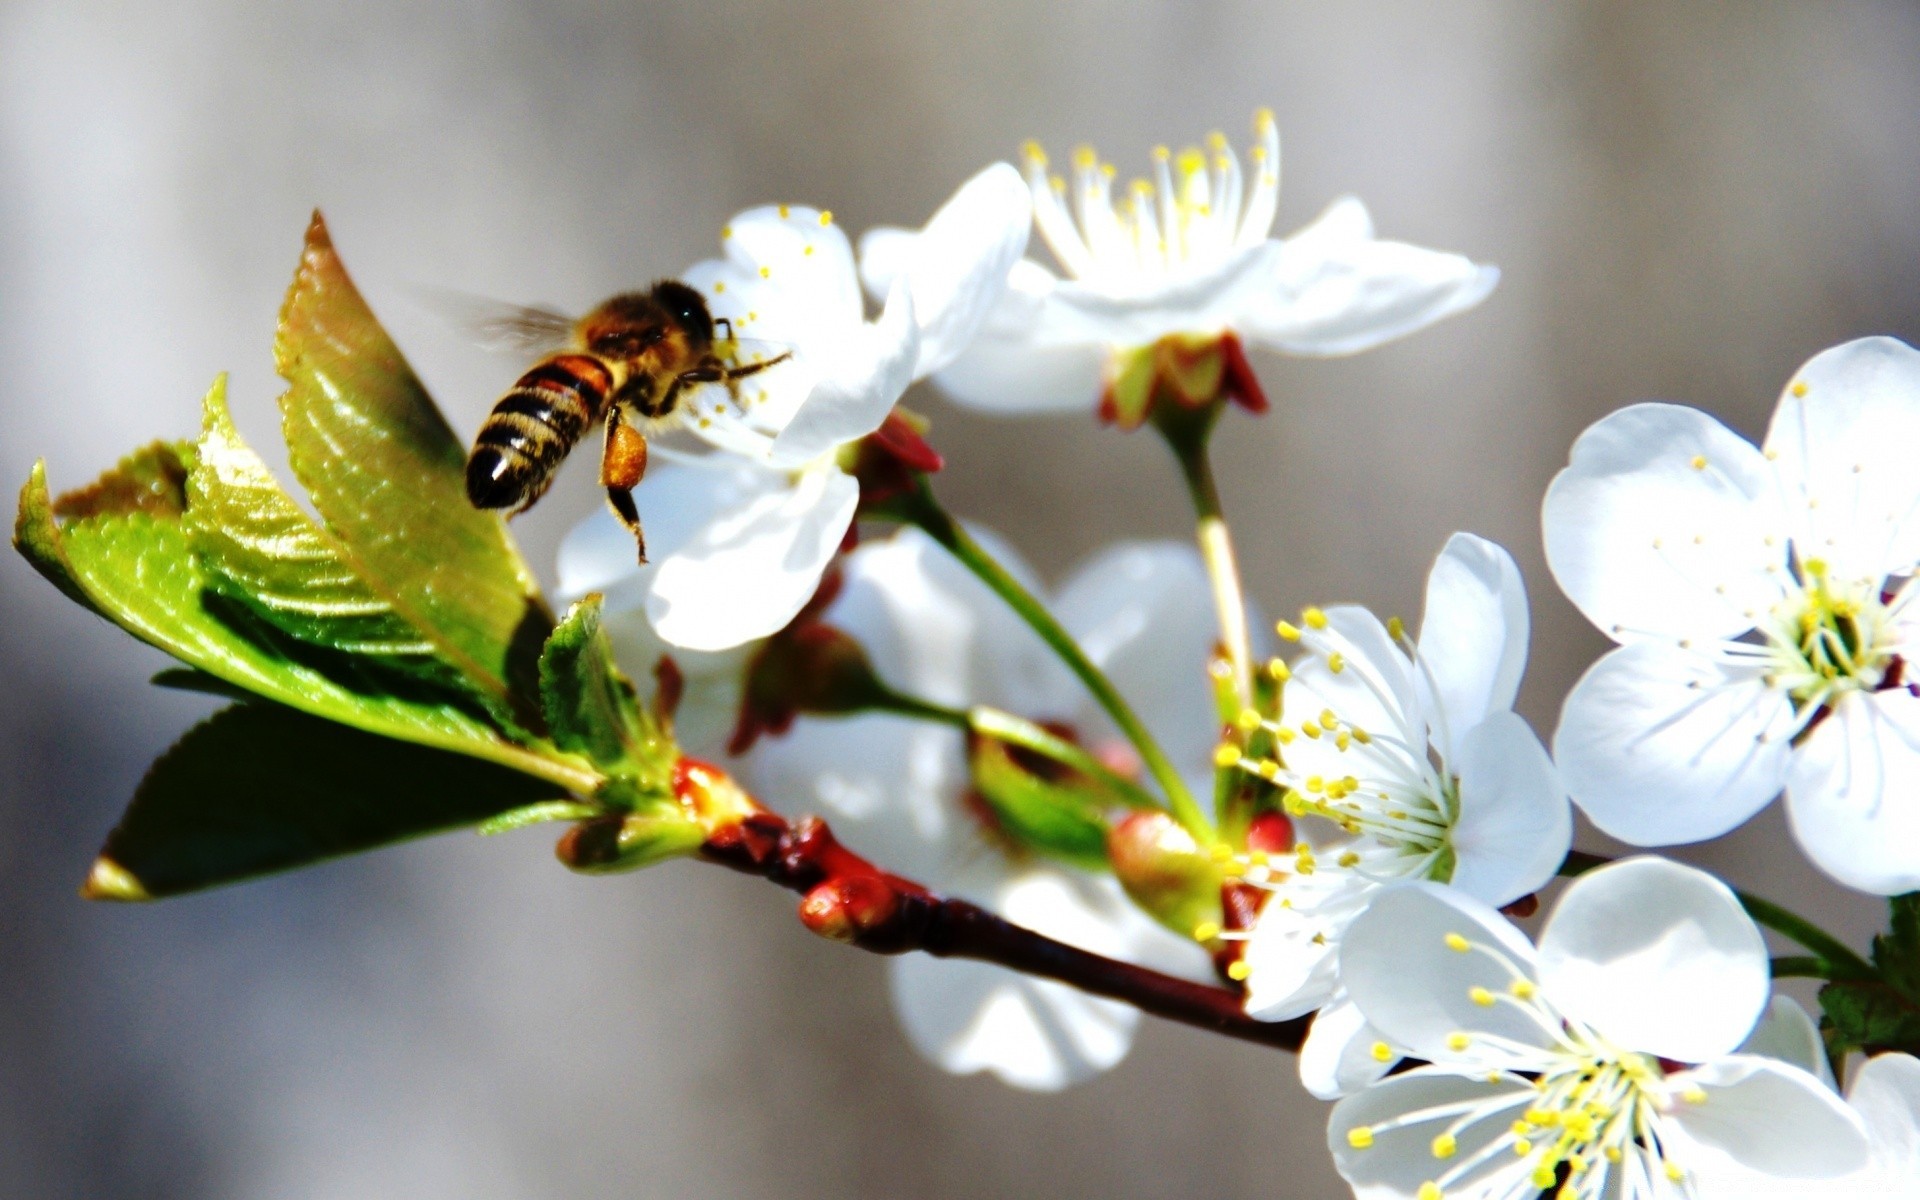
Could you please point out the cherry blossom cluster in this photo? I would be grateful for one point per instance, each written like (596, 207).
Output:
(1381, 815)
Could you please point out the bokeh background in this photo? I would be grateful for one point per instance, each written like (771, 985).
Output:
(1687, 200)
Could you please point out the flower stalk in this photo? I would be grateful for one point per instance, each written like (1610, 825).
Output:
(1188, 433)
(919, 509)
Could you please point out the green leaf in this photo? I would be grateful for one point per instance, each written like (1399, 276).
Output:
(261, 549)
(387, 476)
(151, 480)
(591, 708)
(1040, 806)
(260, 788)
(135, 565)
(1883, 1013)
(590, 705)
(264, 550)
(1869, 1014)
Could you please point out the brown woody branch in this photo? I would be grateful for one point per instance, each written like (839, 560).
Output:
(847, 899)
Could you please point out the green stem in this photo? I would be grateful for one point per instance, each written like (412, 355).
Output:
(1841, 962)
(1188, 434)
(1801, 966)
(1017, 731)
(919, 509)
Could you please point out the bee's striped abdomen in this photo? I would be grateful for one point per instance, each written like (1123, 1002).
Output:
(533, 426)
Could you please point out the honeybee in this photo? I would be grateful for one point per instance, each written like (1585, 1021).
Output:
(631, 362)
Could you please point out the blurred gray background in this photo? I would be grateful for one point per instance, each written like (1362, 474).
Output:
(1687, 199)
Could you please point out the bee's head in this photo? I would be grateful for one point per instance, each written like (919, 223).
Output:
(686, 308)
(625, 326)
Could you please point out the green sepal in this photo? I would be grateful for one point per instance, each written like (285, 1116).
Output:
(259, 788)
(1883, 1013)
(538, 813)
(1056, 812)
(387, 476)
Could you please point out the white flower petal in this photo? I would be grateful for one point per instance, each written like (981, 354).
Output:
(1398, 965)
(1291, 955)
(675, 502)
(806, 266)
(935, 631)
(1853, 792)
(1515, 824)
(1473, 632)
(1031, 1033)
(1665, 522)
(1886, 1094)
(1334, 290)
(858, 385)
(1017, 376)
(1339, 1056)
(1660, 746)
(1657, 957)
(888, 784)
(956, 270)
(1374, 690)
(1211, 300)
(884, 253)
(1787, 1032)
(1143, 612)
(1018, 364)
(749, 570)
(1399, 1160)
(1844, 434)
(1772, 1118)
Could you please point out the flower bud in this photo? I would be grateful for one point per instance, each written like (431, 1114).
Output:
(1165, 871)
(847, 909)
(808, 667)
(1270, 833)
(889, 460)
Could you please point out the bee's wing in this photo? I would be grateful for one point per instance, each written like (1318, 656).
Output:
(499, 326)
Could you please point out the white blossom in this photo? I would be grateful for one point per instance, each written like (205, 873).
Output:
(1595, 1065)
(1412, 750)
(1761, 602)
(776, 513)
(896, 790)
(1186, 255)
(1884, 1092)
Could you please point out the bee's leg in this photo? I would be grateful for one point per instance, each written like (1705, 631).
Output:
(719, 321)
(622, 463)
(755, 368)
(712, 370)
